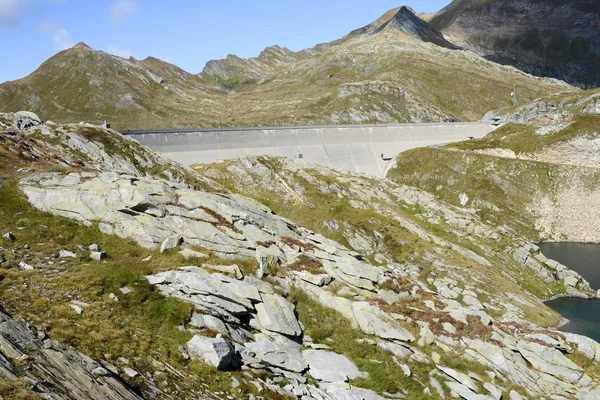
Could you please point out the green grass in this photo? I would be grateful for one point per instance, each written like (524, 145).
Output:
(522, 139)
(403, 82)
(510, 185)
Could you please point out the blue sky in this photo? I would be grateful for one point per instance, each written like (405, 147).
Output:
(185, 32)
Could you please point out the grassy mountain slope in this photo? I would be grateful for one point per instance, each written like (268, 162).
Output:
(537, 173)
(451, 280)
(386, 72)
(81, 84)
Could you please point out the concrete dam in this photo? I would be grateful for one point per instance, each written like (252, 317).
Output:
(359, 148)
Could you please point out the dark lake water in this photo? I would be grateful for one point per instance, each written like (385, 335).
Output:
(585, 259)
(583, 314)
(581, 257)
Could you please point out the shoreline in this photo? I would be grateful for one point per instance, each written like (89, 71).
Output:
(566, 241)
(571, 296)
(565, 321)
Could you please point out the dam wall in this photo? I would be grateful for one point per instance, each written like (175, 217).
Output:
(365, 148)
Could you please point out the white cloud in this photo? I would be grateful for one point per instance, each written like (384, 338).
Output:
(112, 49)
(121, 9)
(59, 35)
(10, 13)
(62, 39)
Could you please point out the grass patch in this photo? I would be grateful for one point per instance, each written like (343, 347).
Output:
(522, 139)
(305, 263)
(16, 390)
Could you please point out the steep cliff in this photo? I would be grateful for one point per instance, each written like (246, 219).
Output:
(557, 38)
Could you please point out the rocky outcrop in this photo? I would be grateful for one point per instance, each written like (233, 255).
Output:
(407, 21)
(53, 370)
(216, 352)
(229, 226)
(557, 39)
(453, 298)
(330, 367)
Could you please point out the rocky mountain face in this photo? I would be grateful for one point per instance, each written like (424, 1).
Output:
(397, 69)
(185, 285)
(405, 19)
(557, 38)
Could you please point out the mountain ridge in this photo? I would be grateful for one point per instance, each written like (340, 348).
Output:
(396, 69)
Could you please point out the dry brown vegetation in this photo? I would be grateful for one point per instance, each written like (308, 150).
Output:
(305, 263)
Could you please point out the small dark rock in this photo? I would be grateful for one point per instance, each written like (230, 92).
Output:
(9, 236)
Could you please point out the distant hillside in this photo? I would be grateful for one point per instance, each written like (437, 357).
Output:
(555, 38)
(541, 169)
(397, 69)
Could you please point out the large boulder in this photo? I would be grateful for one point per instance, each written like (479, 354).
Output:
(551, 361)
(586, 346)
(373, 321)
(278, 351)
(217, 352)
(330, 367)
(276, 314)
(24, 120)
(171, 242)
(209, 322)
(317, 280)
(461, 378)
(268, 258)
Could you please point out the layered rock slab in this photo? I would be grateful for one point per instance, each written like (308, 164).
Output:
(59, 372)
(330, 367)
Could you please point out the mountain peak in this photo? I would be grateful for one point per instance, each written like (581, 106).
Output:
(406, 10)
(81, 46)
(406, 20)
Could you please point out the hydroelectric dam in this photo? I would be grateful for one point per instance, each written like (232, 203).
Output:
(359, 148)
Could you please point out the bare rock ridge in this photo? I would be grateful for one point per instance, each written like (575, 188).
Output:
(556, 39)
(406, 20)
(253, 70)
(257, 69)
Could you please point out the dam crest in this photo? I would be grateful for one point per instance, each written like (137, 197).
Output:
(359, 148)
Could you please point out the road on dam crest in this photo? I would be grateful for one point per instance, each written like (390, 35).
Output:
(359, 148)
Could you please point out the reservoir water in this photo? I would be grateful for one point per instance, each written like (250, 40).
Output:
(580, 257)
(585, 259)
